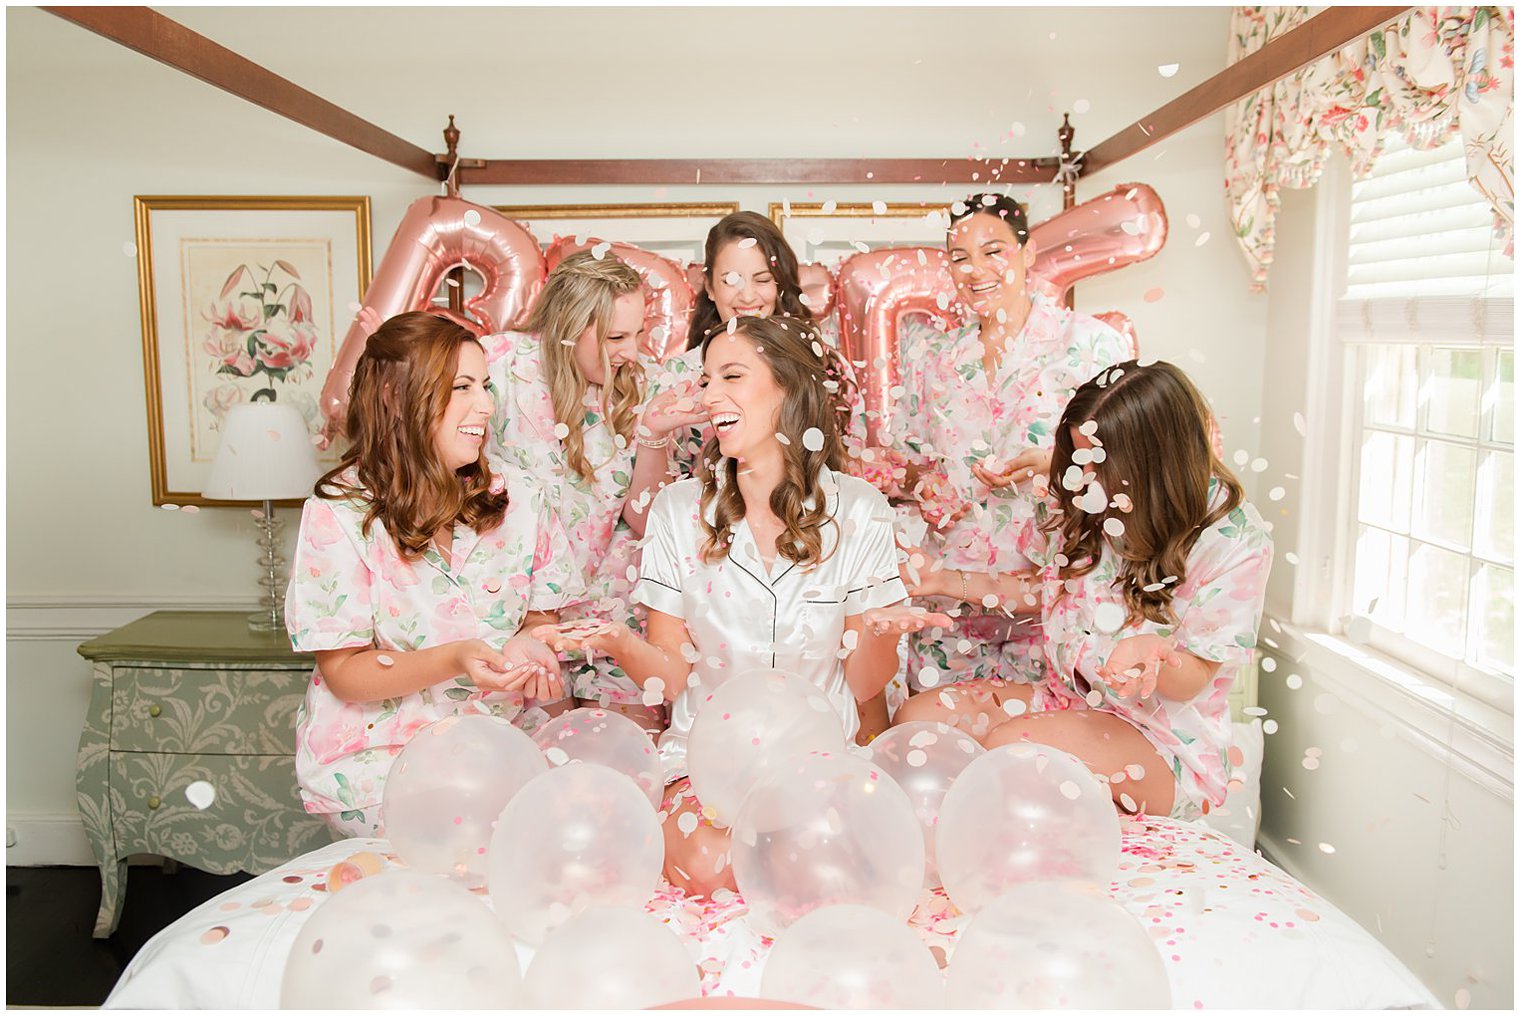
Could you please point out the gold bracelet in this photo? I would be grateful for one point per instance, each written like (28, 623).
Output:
(661, 443)
(965, 587)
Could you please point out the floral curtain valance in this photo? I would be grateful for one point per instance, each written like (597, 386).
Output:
(1434, 72)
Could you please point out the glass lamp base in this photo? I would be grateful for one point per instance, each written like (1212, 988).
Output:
(263, 620)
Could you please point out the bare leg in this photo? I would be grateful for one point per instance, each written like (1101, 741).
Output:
(1108, 744)
(977, 707)
(697, 858)
(651, 718)
(873, 718)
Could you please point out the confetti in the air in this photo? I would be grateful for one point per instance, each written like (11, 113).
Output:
(471, 217)
(600, 250)
(1081, 106)
(1152, 295)
(812, 439)
(201, 795)
(1168, 70)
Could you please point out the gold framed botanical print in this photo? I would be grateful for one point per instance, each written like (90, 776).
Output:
(242, 299)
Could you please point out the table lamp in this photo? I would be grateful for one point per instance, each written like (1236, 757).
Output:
(265, 455)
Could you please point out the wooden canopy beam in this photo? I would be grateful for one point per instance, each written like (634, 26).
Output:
(1319, 36)
(755, 171)
(169, 42)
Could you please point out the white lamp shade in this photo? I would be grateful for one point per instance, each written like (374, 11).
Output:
(266, 454)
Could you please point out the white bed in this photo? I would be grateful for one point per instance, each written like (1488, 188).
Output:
(1234, 931)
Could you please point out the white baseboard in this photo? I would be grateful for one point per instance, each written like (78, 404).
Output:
(76, 618)
(42, 840)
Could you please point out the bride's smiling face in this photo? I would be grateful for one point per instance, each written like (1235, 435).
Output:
(740, 392)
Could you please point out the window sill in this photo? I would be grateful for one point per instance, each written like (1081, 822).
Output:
(1472, 735)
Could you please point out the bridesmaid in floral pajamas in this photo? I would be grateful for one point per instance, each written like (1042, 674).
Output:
(995, 387)
(418, 568)
(570, 390)
(1151, 574)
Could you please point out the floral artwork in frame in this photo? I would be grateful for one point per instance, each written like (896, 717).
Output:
(242, 299)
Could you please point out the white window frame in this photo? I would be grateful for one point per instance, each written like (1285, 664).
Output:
(1425, 688)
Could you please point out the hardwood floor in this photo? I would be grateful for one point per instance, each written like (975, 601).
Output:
(50, 958)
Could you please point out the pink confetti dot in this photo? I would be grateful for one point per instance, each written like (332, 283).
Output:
(215, 935)
(1152, 295)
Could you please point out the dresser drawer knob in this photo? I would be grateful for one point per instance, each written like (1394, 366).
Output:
(155, 710)
(153, 803)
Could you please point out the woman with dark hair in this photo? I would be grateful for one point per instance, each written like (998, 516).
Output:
(1151, 571)
(995, 387)
(771, 559)
(417, 573)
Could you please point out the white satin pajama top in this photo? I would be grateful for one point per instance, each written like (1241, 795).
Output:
(742, 618)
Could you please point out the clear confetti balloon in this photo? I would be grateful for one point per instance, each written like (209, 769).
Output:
(402, 940)
(925, 758)
(446, 788)
(573, 838)
(852, 957)
(1056, 945)
(822, 829)
(610, 958)
(1024, 813)
(606, 738)
(748, 726)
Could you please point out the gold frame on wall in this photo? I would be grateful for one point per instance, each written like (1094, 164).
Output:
(781, 210)
(676, 210)
(144, 207)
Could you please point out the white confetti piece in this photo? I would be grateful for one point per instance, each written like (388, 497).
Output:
(747, 243)
(1109, 617)
(189, 509)
(1193, 220)
(687, 823)
(1094, 699)
(556, 756)
(812, 439)
(129, 249)
(1203, 238)
(1070, 790)
(879, 207)
(385, 661)
(1015, 707)
(561, 431)
(600, 250)
(916, 758)
(1269, 726)
(1258, 465)
(1113, 527)
(471, 217)
(1326, 848)
(1135, 771)
(1300, 425)
(928, 676)
(1168, 70)
(1276, 494)
(1268, 664)
(1294, 682)
(1081, 106)
(169, 507)
(923, 739)
(783, 438)
(201, 795)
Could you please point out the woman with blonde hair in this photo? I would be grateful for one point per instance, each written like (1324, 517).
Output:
(418, 564)
(571, 388)
(1150, 574)
(771, 558)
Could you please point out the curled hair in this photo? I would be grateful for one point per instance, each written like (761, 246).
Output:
(1153, 427)
(790, 347)
(999, 206)
(402, 385)
(779, 255)
(580, 293)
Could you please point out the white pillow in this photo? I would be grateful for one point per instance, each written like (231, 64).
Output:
(1240, 816)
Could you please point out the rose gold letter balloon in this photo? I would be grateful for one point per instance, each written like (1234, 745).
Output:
(667, 293)
(875, 289)
(437, 235)
(1122, 227)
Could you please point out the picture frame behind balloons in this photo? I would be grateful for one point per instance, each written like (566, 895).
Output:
(242, 298)
(674, 230)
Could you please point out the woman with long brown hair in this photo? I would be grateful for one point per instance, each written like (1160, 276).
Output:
(734, 559)
(418, 570)
(1151, 574)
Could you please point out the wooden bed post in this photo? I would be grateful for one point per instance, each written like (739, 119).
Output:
(455, 277)
(1067, 174)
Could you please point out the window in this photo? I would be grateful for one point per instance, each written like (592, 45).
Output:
(1426, 319)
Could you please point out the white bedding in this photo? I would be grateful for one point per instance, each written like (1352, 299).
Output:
(1233, 930)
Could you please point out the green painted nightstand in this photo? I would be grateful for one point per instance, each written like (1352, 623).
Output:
(185, 696)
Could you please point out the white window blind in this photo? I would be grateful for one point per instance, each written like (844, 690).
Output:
(1428, 324)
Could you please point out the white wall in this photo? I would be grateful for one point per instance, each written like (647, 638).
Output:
(1416, 803)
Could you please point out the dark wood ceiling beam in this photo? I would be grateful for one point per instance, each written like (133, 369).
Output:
(576, 172)
(169, 42)
(1319, 36)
